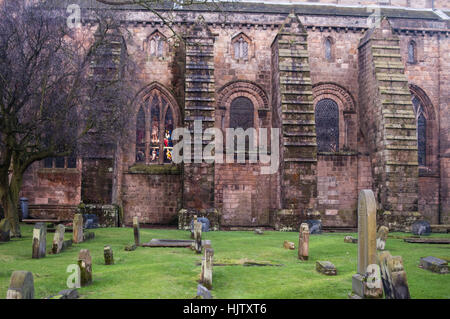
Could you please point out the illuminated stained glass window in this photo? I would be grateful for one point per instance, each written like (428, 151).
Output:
(421, 131)
(327, 126)
(154, 131)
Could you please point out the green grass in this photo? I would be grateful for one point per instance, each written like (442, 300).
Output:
(173, 272)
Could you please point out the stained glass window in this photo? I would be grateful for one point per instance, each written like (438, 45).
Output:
(154, 133)
(421, 131)
(328, 45)
(327, 126)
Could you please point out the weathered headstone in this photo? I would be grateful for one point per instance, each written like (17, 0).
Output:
(303, 243)
(108, 253)
(39, 240)
(205, 224)
(382, 236)
(198, 237)
(194, 220)
(203, 293)
(137, 236)
(5, 230)
(326, 268)
(66, 244)
(85, 264)
(21, 285)
(58, 239)
(350, 239)
(259, 231)
(421, 228)
(393, 276)
(289, 245)
(207, 268)
(434, 264)
(78, 236)
(367, 232)
(130, 247)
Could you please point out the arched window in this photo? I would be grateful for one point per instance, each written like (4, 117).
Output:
(154, 126)
(241, 48)
(327, 126)
(421, 131)
(412, 52)
(242, 116)
(328, 49)
(156, 45)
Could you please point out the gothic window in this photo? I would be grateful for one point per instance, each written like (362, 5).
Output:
(154, 126)
(328, 49)
(156, 45)
(327, 126)
(421, 131)
(241, 48)
(412, 52)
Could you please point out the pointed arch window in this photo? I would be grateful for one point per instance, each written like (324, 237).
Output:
(421, 122)
(327, 126)
(154, 126)
(156, 44)
(328, 49)
(241, 47)
(412, 52)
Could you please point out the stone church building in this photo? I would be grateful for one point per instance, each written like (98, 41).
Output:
(359, 104)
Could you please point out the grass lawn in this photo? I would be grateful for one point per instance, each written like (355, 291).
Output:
(172, 273)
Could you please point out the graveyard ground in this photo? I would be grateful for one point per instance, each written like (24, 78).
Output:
(173, 272)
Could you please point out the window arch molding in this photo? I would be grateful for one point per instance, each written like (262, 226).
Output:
(167, 105)
(347, 111)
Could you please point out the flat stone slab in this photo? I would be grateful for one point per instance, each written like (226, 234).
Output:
(175, 243)
(434, 264)
(350, 239)
(427, 240)
(326, 268)
(130, 247)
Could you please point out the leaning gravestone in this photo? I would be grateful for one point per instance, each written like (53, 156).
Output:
(108, 254)
(382, 236)
(203, 293)
(58, 239)
(367, 247)
(85, 264)
(315, 226)
(137, 236)
(78, 235)
(434, 264)
(421, 228)
(198, 237)
(303, 244)
(5, 230)
(21, 286)
(207, 268)
(39, 240)
(393, 276)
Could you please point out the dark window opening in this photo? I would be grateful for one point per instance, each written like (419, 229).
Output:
(327, 126)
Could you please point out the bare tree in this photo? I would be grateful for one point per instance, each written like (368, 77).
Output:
(51, 99)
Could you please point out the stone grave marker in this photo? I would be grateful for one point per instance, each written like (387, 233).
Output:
(367, 232)
(66, 244)
(130, 247)
(5, 230)
(108, 254)
(393, 276)
(421, 228)
(326, 268)
(39, 240)
(137, 236)
(382, 236)
(198, 237)
(85, 264)
(88, 236)
(21, 285)
(259, 231)
(194, 220)
(350, 239)
(58, 239)
(203, 293)
(78, 235)
(434, 264)
(315, 226)
(289, 245)
(207, 268)
(303, 243)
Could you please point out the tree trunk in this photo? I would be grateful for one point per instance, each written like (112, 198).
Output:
(10, 201)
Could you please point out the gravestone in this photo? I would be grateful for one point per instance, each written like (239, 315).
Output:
(85, 264)
(39, 240)
(434, 264)
(207, 268)
(108, 253)
(259, 232)
(194, 220)
(90, 221)
(421, 228)
(137, 236)
(303, 243)
(58, 239)
(393, 276)
(382, 236)
(205, 224)
(326, 268)
(315, 226)
(289, 245)
(198, 237)
(130, 247)
(350, 239)
(203, 293)
(66, 244)
(5, 230)
(367, 247)
(88, 236)
(21, 285)
(78, 235)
